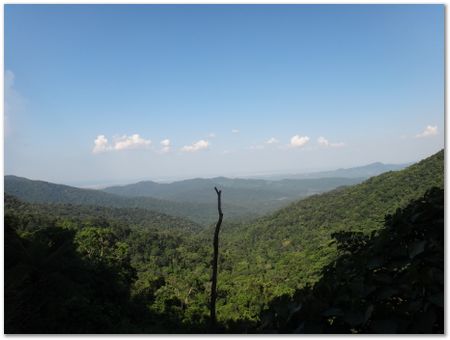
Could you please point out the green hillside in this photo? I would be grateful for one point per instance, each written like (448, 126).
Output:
(287, 250)
(45, 192)
(192, 199)
(260, 196)
(86, 269)
(363, 206)
(360, 207)
(32, 215)
(389, 282)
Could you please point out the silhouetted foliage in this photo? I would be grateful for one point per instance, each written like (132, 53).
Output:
(389, 282)
(49, 288)
(61, 281)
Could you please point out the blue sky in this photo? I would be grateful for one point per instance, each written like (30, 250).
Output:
(115, 93)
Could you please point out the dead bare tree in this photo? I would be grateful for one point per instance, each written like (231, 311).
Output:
(215, 258)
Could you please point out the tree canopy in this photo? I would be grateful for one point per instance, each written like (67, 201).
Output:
(361, 259)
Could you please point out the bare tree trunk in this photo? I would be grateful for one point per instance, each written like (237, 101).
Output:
(215, 258)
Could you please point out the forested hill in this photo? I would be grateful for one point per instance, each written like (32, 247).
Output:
(251, 193)
(360, 207)
(288, 249)
(391, 281)
(364, 206)
(193, 199)
(32, 215)
(50, 193)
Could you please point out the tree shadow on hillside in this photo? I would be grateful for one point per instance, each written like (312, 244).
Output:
(51, 289)
(391, 281)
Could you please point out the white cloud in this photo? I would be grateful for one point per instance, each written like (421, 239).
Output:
(101, 144)
(165, 145)
(132, 142)
(324, 142)
(256, 147)
(200, 145)
(122, 143)
(165, 142)
(298, 141)
(212, 135)
(428, 132)
(272, 140)
(235, 131)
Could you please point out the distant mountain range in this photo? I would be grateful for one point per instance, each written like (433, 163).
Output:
(44, 192)
(364, 171)
(195, 198)
(256, 194)
(243, 192)
(362, 206)
(297, 239)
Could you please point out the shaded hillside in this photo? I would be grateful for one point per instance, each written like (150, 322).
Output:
(45, 192)
(389, 282)
(68, 281)
(87, 269)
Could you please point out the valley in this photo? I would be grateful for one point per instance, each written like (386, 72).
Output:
(152, 243)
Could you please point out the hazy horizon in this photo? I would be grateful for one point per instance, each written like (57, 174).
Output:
(176, 92)
(103, 183)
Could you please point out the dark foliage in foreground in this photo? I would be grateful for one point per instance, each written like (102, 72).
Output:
(61, 280)
(389, 282)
